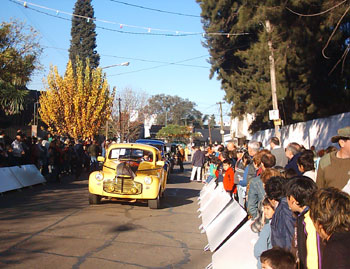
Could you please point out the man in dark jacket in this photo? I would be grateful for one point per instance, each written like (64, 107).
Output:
(293, 153)
(198, 160)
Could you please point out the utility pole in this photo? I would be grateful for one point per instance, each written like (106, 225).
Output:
(273, 77)
(120, 121)
(166, 117)
(209, 123)
(222, 132)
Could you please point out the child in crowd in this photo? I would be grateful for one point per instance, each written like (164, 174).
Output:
(277, 258)
(229, 175)
(306, 164)
(264, 241)
(213, 169)
(239, 166)
(298, 191)
(330, 214)
(283, 221)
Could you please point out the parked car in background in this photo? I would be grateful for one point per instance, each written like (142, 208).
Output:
(131, 172)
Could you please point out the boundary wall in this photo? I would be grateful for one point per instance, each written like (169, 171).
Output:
(17, 177)
(317, 132)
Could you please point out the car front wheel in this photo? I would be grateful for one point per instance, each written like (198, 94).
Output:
(154, 203)
(94, 199)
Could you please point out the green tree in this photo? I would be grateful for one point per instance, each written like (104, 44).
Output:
(173, 110)
(19, 58)
(304, 86)
(174, 132)
(83, 34)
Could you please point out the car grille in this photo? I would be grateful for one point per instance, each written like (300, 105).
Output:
(121, 185)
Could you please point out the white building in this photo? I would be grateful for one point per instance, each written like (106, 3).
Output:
(240, 126)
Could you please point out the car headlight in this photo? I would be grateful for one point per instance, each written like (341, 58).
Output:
(99, 176)
(148, 180)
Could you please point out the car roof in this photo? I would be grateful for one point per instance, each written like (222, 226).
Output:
(133, 146)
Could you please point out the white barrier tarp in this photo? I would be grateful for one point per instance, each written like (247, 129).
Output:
(224, 224)
(238, 251)
(214, 207)
(27, 175)
(207, 188)
(207, 199)
(8, 181)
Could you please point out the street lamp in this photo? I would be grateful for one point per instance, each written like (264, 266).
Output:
(121, 64)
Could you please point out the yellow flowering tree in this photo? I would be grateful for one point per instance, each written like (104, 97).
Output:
(76, 104)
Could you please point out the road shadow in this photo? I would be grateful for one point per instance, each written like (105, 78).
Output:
(44, 199)
(124, 228)
(175, 197)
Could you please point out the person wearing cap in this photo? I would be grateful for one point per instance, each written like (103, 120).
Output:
(334, 167)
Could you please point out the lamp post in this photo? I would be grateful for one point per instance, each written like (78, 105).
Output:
(113, 65)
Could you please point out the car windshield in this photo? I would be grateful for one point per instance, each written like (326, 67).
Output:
(130, 154)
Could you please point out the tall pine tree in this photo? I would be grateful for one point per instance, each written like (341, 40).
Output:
(305, 89)
(83, 42)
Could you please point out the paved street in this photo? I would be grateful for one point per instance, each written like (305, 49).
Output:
(53, 226)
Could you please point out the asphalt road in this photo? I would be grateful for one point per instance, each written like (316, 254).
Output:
(53, 226)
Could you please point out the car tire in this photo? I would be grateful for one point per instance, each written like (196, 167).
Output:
(94, 199)
(154, 203)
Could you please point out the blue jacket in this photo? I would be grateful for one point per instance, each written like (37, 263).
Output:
(282, 226)
(293, 164)
(255, 195)
(263, 243)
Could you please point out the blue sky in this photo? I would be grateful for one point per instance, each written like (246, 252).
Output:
(190, 82)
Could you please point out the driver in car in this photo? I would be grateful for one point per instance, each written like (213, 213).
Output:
(147, 157)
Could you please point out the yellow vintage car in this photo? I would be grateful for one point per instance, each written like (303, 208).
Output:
(131, 172)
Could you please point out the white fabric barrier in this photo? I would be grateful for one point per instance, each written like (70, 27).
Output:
(238, 250)
(214, 207)
(207, 189)
(224, 224)
(8, 181)
(16, 177)
(210, 196)
(27, 175)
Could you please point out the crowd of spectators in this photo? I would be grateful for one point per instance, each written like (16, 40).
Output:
(54, 156)
(297, 199)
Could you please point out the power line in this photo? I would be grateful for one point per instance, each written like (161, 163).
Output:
(158, 66)
(154, 9)
(142, 60)
(175, 33)
(38, 28)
